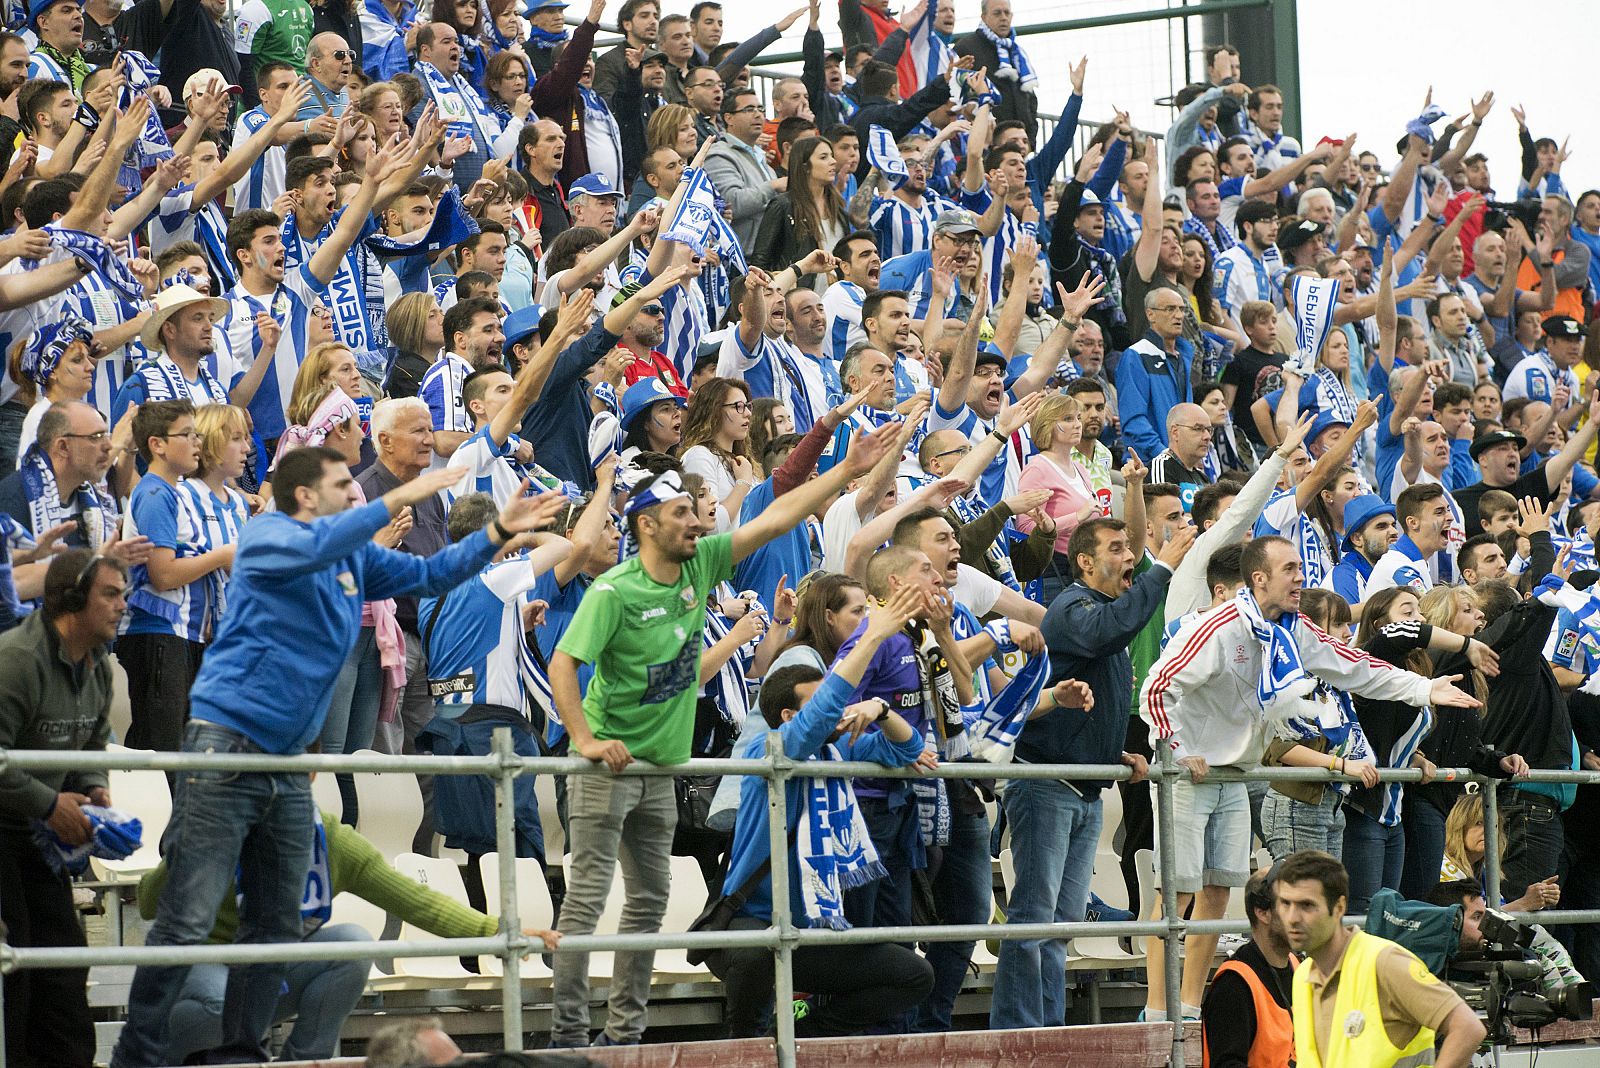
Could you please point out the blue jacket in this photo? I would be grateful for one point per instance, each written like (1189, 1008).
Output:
(558, 425)
(1147, 387)
(294, 610)
(1087, 634)
(803, 737)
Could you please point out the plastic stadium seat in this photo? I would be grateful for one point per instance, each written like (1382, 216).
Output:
(534, 909)
(391, 809)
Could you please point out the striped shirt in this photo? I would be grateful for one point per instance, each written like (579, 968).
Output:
(904, 229)
(178, 219)
(477, 649)
(490, 466)
(289, 304)
(996, 249)
(842, 306)
(263, 183)
(441, 389)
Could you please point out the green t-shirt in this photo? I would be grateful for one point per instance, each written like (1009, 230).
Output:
(274, 31)
(644, 640)
(1145, 648)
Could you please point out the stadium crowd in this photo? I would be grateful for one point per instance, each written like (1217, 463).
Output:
(376, 382)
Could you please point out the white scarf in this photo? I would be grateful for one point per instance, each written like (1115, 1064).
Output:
(1014, 62)
(834, 848)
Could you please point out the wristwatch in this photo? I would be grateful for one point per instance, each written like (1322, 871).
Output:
(883, 708)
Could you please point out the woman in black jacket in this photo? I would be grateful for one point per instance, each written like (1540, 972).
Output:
(1393, 630)
(1456, 741)
(811, 215)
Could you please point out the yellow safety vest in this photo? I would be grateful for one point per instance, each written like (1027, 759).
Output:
(1359, 1039)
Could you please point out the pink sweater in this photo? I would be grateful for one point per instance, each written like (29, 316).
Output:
(1069, 490)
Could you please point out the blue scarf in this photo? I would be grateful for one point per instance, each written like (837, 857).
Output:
(1014, 62)
(544, 38)
(884, 155)
(463, 111)
(1001, 719)
(833, 847)
(1284, 680)
(153, 145)
(88, 505)
(95, 254)
(42, 352)
(1105, 265)
(113, 835)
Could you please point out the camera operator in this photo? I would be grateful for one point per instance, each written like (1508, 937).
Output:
(1360, 999)
(1480, 927)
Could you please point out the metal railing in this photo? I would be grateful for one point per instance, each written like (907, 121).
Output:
(783, 937)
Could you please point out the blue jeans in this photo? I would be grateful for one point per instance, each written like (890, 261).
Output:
(963, 892)
(253, 824)
(1424, 829)
(353, 713)
(1288, 826)
(320, 995)
(892, 825)
(1374, 855)
(1053, 836)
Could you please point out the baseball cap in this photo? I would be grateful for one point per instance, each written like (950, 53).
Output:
(1090, 200)
(642, 394)
(1361, 511)
(39, 7)
(1323, 421)
(1299, 234)
(522, 324)
(989, 352)
(1562, 326)
(652, 55)
(1493, 438)
(956, 221)
(594, 185)
(205, 78)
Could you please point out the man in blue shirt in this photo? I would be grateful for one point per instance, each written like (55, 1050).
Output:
(300, 577)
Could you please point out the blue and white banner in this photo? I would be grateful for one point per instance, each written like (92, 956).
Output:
(884, 155)
(698, 224)
(153, 145)
(1314, 300)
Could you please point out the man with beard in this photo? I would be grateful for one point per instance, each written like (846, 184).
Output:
(903, 220)
(13, 72)
(1244, 1018)
(756, 351)
(639, 626)
(858, 265)
(47, 109)
(1370, 532)
(180, 335)
(641, 336)
(886, 319)
(473, 342)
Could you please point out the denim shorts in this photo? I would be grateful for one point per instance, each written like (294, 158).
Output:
(1212, 820)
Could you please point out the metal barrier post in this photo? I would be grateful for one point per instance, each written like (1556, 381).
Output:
(783, 956)
(5, 953)
(505, 842)
(1491, 843)
(1166, 817)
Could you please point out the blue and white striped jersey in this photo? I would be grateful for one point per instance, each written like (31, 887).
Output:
(177, 219)
(477, 649)
(996, 249)
(490, 466)
(441, 389)
(902, 228)
(158, 510)
(687, 324)
(263, 182)
(290, 307)
(346, 293)
(842, 306)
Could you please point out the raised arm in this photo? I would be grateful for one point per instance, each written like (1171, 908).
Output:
(1577, 444)
(1322, 472)
(1274, 180)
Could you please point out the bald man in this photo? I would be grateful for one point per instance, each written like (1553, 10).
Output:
(1184, 462)
(330, 62)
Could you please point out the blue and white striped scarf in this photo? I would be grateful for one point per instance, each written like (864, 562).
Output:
(153, 145)
(94, 253)
(884, 156)
(833, 846)
(1284, 679)
(1000, 721)
(1014, 62)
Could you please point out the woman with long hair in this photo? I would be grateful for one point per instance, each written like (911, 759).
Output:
(1296, 814)
(716, 435)
(769, 418)
(672, 126)
(325, 368)
(809, 215)
(416, 330)
(1456, 741)
(358, 145)
(828, 609)
(1057, 429)
(1393, 630)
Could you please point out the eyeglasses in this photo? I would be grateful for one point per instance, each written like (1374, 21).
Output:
(321, 312)
(962, 451)
(342, 54)
(651, 309)
(965, 241)
(753, 109)
(706, 84)
(192, 435)
(1167, 308)
(94, 439)
(1198, 428)
(739, 406)
(1372, 167)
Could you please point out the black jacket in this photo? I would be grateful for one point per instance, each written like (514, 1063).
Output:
(1014, 102)
(780, 242)
(897, 118)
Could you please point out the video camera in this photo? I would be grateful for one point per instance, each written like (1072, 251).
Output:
(1499, 213)
(1511, 992)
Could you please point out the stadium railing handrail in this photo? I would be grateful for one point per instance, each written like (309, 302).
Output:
(511, 945)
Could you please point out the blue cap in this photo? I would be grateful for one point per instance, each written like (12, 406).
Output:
(1089, 200)
(1359, 512)
(1323, 421)
(39, 7)
(644, 393)
(594, 185)
(540, 5)
(522, 324)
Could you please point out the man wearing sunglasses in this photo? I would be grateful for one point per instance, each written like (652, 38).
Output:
(329, 62)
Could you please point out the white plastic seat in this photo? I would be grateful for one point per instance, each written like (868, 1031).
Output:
(685, 902)
(325, 794)
(144, 794)
(348, 908)
(391, 809)
(555, 839)
(534, 909)
(444, 877)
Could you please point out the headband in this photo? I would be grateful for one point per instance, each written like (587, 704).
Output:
(665, 488)
(47, 345)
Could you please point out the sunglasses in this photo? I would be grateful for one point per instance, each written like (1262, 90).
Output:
(342, 54)
(651, 309)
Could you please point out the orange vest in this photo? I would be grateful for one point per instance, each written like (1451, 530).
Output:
(1568, 301)
(1274, 1042)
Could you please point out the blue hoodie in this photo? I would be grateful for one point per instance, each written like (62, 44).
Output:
(294, 610)
(803, 737)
